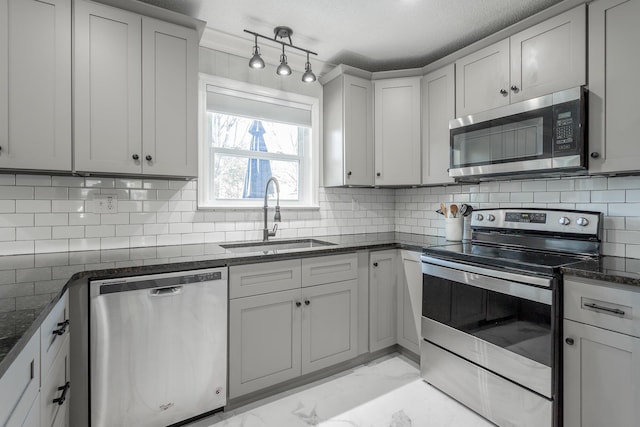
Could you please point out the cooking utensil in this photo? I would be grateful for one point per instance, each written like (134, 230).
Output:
(454, 210)
(443, 208)
(439, 211)
(465, 210)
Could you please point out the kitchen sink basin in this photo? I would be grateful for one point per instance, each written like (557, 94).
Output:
(275, 245)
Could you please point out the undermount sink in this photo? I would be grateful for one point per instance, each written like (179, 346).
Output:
(275, 245)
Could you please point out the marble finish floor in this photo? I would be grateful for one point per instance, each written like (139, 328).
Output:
(387, 392)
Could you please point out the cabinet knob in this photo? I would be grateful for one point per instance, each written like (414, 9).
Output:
(135, 157)
(595, 155)
(307, 302)
(298, 303)
(349, 173)
(378, 174)
(569, 341)
(504, 92)
(375, 264)
(515, 88)
(149, 158)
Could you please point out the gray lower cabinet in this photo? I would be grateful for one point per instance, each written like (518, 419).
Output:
(307, 321)
(264, 341)
(382, 299)
(409, 300)
(601, 354)
(329, 324)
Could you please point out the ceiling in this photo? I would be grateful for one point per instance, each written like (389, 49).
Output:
(374, 35)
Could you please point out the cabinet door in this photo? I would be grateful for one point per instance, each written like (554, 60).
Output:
(264, 341)
(397, 131)
(53, 384)
(550, 56)
(107, 107)
(329, 324)
(482, 79)
(358, 131)
(438, 107)
(35, 84)
(382, 299)
(20, 385)
(410, 301)
(170, 99)
(613, 71)
(601, 376)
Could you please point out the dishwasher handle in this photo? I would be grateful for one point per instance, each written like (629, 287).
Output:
(171, 290)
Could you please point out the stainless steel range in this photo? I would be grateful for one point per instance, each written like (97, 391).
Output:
(491, 311)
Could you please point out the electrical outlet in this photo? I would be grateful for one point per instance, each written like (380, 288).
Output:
(105, 204)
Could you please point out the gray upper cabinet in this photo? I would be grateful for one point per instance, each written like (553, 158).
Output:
(613, 70)
(542, 59)
(348, 131)
(397, 131)
(123, 125)
(169, 95)
(35, 84)
(438, 107)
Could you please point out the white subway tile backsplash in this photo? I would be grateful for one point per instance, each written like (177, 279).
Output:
(44, 219)
(117, 218)
(70, 232)
(114, 242)
(100, 231)
(128, 183)
(84, 219)
(17, 247)
(7, 234)
(33, 180)
(48, 246)
(52, 193)
(155, 184)
(547, 197)
(16, 220)
(67, 206)
(16, 193)
(67, 181)
(100, 182)
(538, 185)
(575, 197)
(33, 233)
(7, 206)
(28, 206)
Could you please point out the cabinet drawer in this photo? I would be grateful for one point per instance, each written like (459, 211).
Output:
(53, 385)
(20, 384)
(255, 279)
(329, 269)
(602, 304)
(54, 331)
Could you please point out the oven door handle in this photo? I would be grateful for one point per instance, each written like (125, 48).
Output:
(515, 289)
(530, 280)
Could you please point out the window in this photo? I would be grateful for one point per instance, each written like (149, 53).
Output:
(250, 133)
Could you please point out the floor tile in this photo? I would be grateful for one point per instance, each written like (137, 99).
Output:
(387, 392)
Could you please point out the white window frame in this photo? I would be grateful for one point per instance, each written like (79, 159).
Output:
(310, 164)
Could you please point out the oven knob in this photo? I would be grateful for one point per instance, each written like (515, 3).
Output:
(564, 221)
(479, 217)
(491, 218)
(582, 221)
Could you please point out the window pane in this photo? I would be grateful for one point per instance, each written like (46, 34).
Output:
(235, 132)
(232, 177)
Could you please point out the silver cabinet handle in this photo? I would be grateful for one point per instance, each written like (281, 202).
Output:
(504, 92)
(607, 309)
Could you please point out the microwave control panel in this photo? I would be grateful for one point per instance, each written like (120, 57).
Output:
(567, 126)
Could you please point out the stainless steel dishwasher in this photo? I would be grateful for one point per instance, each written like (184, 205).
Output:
(158, 348)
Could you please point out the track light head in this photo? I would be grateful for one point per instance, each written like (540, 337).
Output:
(283, 68)
(308, 76)
(256, 60)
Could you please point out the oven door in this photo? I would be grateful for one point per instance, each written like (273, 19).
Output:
(493, 319)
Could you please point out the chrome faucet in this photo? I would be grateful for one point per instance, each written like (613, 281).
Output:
(276, 218)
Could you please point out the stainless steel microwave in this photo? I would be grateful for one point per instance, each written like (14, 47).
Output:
(542, 136)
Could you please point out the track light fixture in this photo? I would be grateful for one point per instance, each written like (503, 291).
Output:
(256, 60)
(283, 69)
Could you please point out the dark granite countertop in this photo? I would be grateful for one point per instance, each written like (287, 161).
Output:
(618, 270)
(57, 271)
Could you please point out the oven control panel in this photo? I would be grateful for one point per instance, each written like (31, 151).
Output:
(577, 222)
